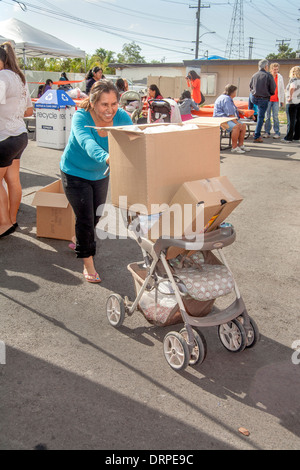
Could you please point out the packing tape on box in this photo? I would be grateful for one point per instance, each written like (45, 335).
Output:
(214, 185)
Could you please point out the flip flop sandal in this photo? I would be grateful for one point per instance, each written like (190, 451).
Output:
(72, 246)
(94, 278)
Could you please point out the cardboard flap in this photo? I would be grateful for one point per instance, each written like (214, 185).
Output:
(212, 190)
(211, 121)
(44, 199)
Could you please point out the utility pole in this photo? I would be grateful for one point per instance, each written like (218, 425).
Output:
(250, 47)
(282, 42)
(198, 24)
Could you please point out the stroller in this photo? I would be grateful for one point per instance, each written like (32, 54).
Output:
(132, 103)
(163, 110)
(178, 282)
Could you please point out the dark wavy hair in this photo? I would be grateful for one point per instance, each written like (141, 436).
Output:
(91, 72)
(8, 57)
(155, 88)
(193, 75)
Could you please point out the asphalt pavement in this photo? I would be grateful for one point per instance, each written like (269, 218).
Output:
(72, 381)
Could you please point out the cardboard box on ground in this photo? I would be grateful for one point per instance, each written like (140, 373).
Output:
(55, 216)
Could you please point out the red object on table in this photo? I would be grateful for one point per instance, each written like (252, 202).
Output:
(207, 112)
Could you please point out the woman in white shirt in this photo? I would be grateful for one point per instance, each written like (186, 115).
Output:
(15, 103)
(293, 106)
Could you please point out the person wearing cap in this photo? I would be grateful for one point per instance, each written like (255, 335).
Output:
(92, 77)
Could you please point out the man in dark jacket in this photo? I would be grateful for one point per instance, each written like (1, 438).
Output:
(262, 87)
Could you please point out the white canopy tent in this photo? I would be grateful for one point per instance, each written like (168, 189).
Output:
(32, 42)
(3, 39)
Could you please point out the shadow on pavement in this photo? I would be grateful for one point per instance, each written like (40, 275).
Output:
(46, 406)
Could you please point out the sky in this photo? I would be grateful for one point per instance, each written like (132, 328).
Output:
(165, 30)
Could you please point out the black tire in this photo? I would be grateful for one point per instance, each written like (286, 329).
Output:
(199, 351)
(254, 335)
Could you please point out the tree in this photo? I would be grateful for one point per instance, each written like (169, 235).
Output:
(105, 57)
(131, 54)
(284, 52)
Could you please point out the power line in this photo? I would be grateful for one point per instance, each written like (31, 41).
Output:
(273, 21)
(138, 14)
(74, 20)
(94, 25)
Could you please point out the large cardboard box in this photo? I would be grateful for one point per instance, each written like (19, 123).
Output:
(197, 207)
(55, 216)
(148, 169)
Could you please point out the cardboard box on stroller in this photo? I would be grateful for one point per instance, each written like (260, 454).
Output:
(196, 207)
(148, 169)
(217, 196)
(55, 216)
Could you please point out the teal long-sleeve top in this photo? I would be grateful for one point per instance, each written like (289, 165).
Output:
(86, 152)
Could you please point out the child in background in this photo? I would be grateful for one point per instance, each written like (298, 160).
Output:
(40, 91)
(186, 104)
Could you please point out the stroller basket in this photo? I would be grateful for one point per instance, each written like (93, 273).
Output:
(157, 307)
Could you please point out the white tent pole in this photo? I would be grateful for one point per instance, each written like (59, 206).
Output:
(24, 60)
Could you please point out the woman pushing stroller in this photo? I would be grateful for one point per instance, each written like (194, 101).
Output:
(84, 166)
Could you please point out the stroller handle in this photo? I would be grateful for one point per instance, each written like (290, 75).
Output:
(214, 240)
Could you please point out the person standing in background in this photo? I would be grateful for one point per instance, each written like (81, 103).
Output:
(93, 76)
(262, 87)
(276, 101)
(48, 85)
(15, 104)
(293, 106)
(194, 82)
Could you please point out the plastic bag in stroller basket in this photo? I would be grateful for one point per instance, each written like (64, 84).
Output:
(160, 309)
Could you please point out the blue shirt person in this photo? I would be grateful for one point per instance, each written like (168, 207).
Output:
(84, 166)
(225, 107)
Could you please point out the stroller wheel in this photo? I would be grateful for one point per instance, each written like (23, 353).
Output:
(176, 350)
(253, 334)
(115, 310)
(233, 336)
(199, 351)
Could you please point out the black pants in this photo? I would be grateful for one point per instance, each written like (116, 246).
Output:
(293, 122)
(85, 197)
